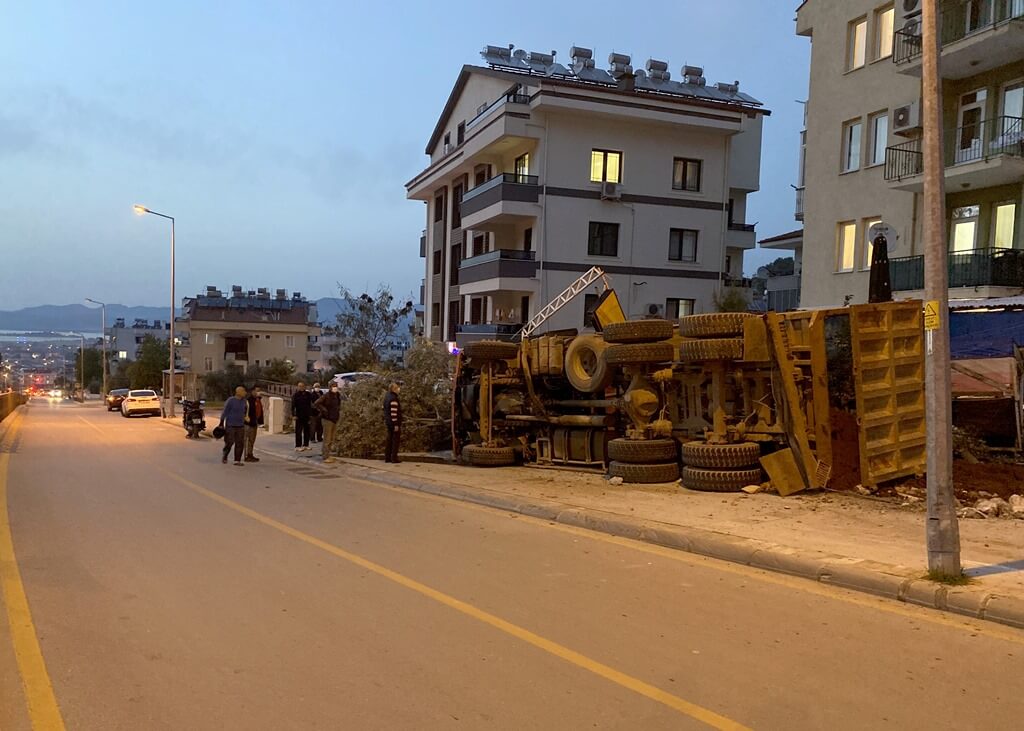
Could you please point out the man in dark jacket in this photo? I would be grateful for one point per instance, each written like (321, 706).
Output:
(302, 412)
(328, 407)
(232, 418)
(393, 423)
(316, 429)
(253, 421)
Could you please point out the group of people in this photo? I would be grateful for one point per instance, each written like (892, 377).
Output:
(315, 414)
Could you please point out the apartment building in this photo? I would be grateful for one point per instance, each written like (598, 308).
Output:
(124, 339)
(863, 161)
(243, 328)
(540, 171)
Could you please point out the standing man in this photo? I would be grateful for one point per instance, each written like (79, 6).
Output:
(328, 408)
(233, 419)
(392, 422)
(317, 428)
(253, 421)
(302, 412)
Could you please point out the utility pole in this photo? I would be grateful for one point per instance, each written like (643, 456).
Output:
(103, 327)
(942, 530)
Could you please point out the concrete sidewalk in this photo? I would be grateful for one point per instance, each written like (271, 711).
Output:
(864, 543)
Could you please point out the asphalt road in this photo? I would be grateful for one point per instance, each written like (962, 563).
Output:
(163, 590)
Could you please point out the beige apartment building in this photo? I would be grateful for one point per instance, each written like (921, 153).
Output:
(540, 171)
(248, 328)
(863, 161)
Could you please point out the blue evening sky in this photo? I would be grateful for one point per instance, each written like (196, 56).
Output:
(280, 134)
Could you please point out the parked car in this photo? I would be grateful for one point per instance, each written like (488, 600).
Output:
(115, 397)
(347, 379)
(143, 401)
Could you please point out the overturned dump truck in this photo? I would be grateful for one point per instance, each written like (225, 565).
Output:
(814, 398)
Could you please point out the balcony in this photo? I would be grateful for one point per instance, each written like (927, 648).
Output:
(980, 155)
(423, 244)
(741, 236)
(976, 36)
(799, 213)
(501, 200)
(501, 269)
(498, 331)
(977, 268)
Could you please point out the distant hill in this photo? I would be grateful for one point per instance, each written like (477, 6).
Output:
(63, 318)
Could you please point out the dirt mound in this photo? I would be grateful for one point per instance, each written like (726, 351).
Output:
(999, 478)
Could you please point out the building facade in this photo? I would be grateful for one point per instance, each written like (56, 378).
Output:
(125, 339)
(863, 160)
(242, 329)
(539, 172)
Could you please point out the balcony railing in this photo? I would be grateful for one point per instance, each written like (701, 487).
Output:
(742, 227)
(738, 282)
(498, 255)
(972, 142)
(959, 20)
(500, 179)
(509, 98)
(799, 213)
(978, 268)
(488, 329)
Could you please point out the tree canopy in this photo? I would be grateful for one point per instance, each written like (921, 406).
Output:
(366, 324)
(147, 370)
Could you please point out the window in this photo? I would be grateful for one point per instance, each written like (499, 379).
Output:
(846, 243)
(454, 260)
(675, 307)
(963, 234)
(604, 239)
(521, 167)
(479, 244)
(460, 133)
(857, 44)
(122, 354)
(447, 141)
(435, 314)
(589, 305)
(682, 245)
(439, 207)
(437, 262)
(884, 19)
(457, 205)
(528, 240)
(869, 245)
(208, 338)
(686, 174)
(289, 341)
(878, 126)
(605, 166)
(257, 362)
(1005, 215)
(851, 146)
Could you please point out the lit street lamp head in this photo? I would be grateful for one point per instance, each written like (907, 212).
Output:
(140, 210)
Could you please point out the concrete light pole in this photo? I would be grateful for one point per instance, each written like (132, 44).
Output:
(103, 321)
(942, 530)
(141, 210)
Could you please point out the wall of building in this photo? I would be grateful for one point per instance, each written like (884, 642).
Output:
(266, 342)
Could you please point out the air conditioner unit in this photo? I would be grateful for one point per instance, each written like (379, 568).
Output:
(911, 8)
(906, 120)
(654, 310)
(610, 191)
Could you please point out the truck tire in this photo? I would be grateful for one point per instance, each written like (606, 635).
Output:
(639, 353)
(719, 480)
(481, 456)
(644, 474)
(491, 350)
(643, 451)
(585, 366)
(711, 349)
(637, 331)
(713, 324)
(721, 456)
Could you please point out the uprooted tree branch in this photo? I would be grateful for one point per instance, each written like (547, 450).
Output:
(366, 324)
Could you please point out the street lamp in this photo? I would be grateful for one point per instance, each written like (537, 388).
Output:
(82, 359)
(142, 210)
(103, 321)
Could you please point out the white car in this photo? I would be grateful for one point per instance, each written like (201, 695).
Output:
(347, 379)
(142, 401)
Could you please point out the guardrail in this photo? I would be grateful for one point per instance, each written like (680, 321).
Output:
(992, 267)
(9, 402)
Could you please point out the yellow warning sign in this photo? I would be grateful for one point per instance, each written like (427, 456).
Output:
(932, 318)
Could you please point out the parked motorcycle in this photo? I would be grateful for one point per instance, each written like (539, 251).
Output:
(193, 418)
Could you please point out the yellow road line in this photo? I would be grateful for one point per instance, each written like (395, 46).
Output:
(636, 685)
(91, 424)
(43, 711)
(808, 586)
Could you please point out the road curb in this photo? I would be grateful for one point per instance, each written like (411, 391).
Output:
(892, 582)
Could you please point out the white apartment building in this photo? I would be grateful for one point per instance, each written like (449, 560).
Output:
(863, 159)
(539, 172)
